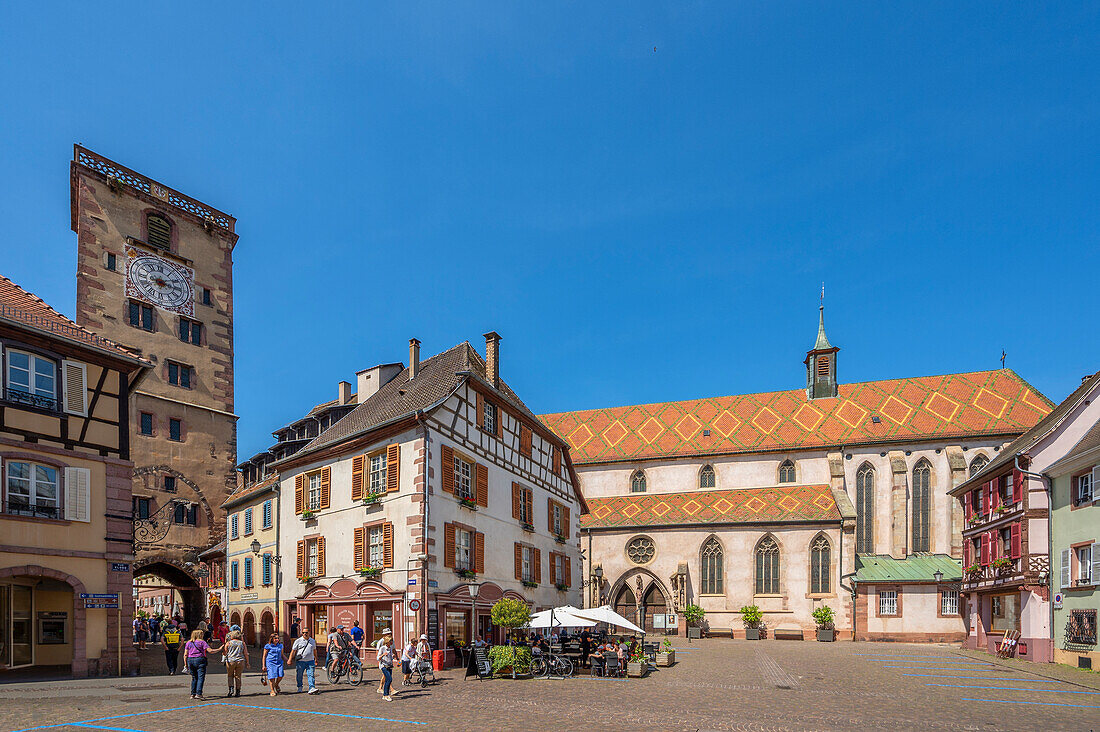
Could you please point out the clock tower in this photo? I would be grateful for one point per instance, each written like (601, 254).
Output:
(155, 273)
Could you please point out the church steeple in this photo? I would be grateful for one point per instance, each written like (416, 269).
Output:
(821, 362)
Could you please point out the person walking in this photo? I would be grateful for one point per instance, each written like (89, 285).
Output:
(303, 655)
(384, 654)
(154, 629)
(294, 627)
(273, 662)
(408, 659)
(171, 640)
(142, 634)
(194, 651)
(235, 654)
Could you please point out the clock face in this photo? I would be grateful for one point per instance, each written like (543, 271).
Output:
(160, 282)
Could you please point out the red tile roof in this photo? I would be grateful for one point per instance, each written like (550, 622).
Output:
(745, 505)
(929, 407)
(242, 494)
(16, 304)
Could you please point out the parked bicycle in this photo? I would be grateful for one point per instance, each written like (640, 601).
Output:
(551, 665)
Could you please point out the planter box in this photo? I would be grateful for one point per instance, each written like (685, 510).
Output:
(695, 632)
(752, 633)
(826, 636)
(637, 670)
(666, 659)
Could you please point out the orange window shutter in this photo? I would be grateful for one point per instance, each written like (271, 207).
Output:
(529, 502)
(500, 422)
(556, 459)
(320, 556)
(387, 545)
(448, 468)
(449, 545)
(357, 464)
(357, 549)
(325, 475)
(483, 485)
(565, 521)
(525, 440)
(516, 513)
(299, 493)
(301, 559)
(536, 559)
(479, 552)
(568, 569)
(393, 468)
(550, 514)
(519, 561)
(480, 407)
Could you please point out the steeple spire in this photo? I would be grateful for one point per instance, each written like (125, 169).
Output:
(820, 361)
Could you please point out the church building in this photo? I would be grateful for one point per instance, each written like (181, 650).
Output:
(831, 494)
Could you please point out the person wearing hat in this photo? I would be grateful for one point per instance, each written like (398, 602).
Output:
(384, 654)
(408, 658)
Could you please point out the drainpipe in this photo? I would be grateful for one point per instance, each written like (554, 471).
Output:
(278, 561)
(1048, 484)
(422, 419)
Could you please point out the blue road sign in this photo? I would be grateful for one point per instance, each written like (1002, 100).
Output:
(107, 596)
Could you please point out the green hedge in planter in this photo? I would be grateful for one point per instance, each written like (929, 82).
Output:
(504, 658)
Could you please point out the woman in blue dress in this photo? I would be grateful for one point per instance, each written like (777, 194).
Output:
(273, 662)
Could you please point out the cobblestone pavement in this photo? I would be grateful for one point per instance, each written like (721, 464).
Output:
(717, 685)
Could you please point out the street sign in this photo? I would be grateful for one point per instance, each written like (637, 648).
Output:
(433, 583)
(93, 605)
(412, 580)
(120, 567)
(414, 605)
(1058, 600)
(101, 596)
(203, 572)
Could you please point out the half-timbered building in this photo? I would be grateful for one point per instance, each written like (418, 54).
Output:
(65, 494)
(438, 494)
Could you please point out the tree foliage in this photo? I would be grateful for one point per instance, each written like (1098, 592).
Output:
(509, 613)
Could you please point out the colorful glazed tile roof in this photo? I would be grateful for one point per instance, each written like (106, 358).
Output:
(929, 407)
(745, 505)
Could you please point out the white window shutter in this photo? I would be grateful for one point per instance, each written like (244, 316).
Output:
(78, 486)
(1065, 569)
(1095, 549)
(74, 376)
(1095, 483)
(3, 369)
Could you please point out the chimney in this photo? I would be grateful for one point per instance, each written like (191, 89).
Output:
(414, 358)
(344, 389)
(492, 358)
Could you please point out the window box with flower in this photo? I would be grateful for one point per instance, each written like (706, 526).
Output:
(560, 538)
(1003, 565)
(370, 572)
(530, 528)
(307, 515)
(973, 571)
(466, 573)
(372, 500)
(307, 580)
(530, 584)
(468, 503)
(561, 586)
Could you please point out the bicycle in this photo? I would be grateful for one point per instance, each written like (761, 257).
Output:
(347, 664)
(551, 665)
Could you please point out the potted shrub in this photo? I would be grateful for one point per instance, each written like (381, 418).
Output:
(372, 499)
(824, 617)
(468, 503)
(694, 615)
(751, 615)
(637, 665)
(666, 656)
(370, 571)
(308, 515)
(509, 614)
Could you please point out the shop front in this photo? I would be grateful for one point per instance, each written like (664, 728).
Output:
(345, 602)
(463, 614)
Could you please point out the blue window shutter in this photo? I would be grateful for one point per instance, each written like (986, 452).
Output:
(233, 576)
(248, 571)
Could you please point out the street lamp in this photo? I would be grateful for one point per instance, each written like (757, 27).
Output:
(255, 547)
(938, 576)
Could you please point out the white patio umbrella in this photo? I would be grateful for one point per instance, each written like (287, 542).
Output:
(604, 614)
(560, 617)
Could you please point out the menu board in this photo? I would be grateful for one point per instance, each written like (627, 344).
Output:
(433, 628)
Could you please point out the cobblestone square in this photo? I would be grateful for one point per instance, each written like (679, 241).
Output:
(716, 685)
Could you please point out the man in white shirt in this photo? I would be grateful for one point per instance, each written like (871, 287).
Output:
(303, 653)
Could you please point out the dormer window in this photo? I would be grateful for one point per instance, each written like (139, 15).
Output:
(158, 231)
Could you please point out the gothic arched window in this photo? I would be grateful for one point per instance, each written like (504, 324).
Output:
(922, 506)
(706, 477)
(820, 565)
(158, 231)
(767, 567)
(711, 561)
(786, 472)
(865, 509)
(976, 465)
(637, 482)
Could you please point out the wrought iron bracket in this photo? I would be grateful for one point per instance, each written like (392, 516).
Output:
(149, 531)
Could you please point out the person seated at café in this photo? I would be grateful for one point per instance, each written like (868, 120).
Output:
(632, 647)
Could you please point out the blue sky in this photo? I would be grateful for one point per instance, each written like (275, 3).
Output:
(642, 198)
